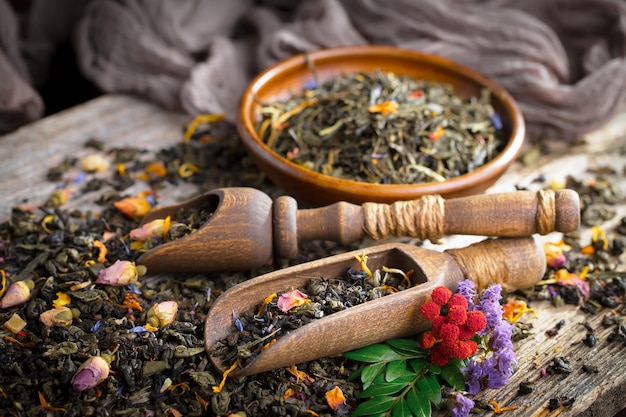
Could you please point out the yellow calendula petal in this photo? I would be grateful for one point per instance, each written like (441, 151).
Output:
(384, 108)
(121, 169)
(201, 118)
(335, 398)
(268, 299)
(597, 234)
(187, 169)
(166, 227)
(156, 168)
(3, 282)
(300, 375)
(514, 309)
(44, 223)
(102, 251)
(363, 264)
(219, 387)
(62, 300)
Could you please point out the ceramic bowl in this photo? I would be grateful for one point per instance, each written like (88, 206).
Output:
(288, 77)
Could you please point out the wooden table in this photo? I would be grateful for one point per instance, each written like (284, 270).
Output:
(120, 120)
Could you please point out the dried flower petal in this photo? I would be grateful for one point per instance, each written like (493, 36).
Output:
(133, 207)
(3, 282)
(555, 256)
(92, 372)
(568, 279)
(291, 299)
(157, 169)
(59, 317)
(17, 294)
(148, 231)
(300, 375)
(384, 108)
(335, 398)
(102, 251)
(119, 274)
(162, 314)
(363, 264)
(514, 309)
(62, 300)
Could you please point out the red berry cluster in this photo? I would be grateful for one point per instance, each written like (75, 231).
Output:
(451, 332)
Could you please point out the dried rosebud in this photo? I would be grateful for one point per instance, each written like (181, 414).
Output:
(557, 261)
(94, 163)
(555, 253)
(133, 207)
(17, 294)
(150, 230)
(291, 299)
(162, 314)
(58, 316)
(92, 372)
(119, 274)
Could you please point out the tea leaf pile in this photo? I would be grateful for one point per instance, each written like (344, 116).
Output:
(399, 380)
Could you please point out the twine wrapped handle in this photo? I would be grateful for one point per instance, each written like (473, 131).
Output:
(514, 214)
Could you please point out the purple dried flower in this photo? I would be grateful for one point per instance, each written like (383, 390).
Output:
(463, 406)
(495, 370)
(501, 336)
(490, 305)
(467, 289)
(473, 374)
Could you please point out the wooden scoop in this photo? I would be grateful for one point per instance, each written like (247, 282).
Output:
(247, 229)
(515, 263)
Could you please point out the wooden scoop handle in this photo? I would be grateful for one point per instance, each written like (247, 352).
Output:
(514, 214)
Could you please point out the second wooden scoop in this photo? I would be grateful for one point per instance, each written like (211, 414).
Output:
(247, 229)
(515, 263)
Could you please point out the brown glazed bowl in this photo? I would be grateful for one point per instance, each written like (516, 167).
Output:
(288, 77)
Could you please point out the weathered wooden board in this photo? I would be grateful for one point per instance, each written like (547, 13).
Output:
(120, 120)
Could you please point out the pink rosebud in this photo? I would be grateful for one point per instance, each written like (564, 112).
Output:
(92, 372)
(148, 231)
(291, 299)
(119, 274)
(557, 261)
(17, 294)
(59, 316)
(162, 314)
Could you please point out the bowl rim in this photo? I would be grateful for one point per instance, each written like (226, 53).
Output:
(483, 174)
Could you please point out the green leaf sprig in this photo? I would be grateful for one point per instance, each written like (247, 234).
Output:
(400, 381)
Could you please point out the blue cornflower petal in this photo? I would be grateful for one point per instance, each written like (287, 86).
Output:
(95, 327)
(496, 121)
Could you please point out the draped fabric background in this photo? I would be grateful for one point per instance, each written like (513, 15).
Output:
(564, 61)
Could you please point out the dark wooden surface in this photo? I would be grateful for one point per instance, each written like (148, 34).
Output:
(119, 120)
